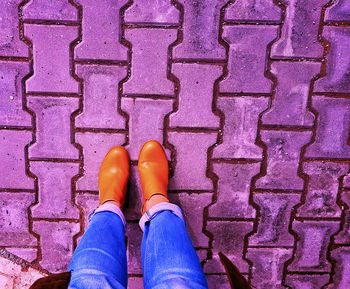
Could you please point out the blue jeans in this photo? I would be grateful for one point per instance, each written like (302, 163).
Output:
(168, 257)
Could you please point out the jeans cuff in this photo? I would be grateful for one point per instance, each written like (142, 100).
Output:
(109, 207)
(152, 212)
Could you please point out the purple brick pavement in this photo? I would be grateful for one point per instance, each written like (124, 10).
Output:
(251, 100)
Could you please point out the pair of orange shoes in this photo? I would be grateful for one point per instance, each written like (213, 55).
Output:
(114, 173)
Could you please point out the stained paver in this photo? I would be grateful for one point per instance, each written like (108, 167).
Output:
(251, 100)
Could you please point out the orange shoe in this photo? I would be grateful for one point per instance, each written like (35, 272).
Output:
(153, 170)
(113, 176)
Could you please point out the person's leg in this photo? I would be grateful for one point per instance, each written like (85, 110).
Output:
(99, 261)
(168, 257)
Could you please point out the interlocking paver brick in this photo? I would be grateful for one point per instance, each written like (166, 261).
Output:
(246, 66)
(196, 95)
(149, 61)
(323, 187)
(268, 266)
(146, 121)
(283, 153)
(200, 31)
(240, 127)
(289, 104)
(233, 190)
(340, 11)
(300, 30)
(95, 147)
(135, 199)
(338, 61)
(307, 281)
(253, 10)
(341, 277)
(56, 240)
(135, 282)
(54, 193)
(133, 252)
(50, 10)
(100, 31)
(11, 95)
(343, 237)
(143, 11)
(231, 247)
(100, 96)
(218, 282)
(275, 213)
(28, 254)
(51, 58)
(314, 236)
(332, 131)
(192, 206)
(53, 124)
(14, 227)
(12, 164)
(10, 43)
(191, 164)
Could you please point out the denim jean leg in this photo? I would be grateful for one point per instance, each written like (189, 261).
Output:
(168, 257)
(99, 260)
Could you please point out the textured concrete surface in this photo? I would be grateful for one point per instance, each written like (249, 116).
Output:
(251, 100)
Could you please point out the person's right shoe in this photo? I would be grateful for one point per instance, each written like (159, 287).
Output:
(153, 170)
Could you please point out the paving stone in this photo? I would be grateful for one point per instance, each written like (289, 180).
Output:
(300, 30)
(343, 237)
(200, 30)
(337, 77)
(101, 31)
(332, 130)
(192, 206)
(28, 254)
(149, 61)
(228, 239)
(191, 164)
(240, 127)
(307, 281)
(341, 276)
(150, 11)
(14, 227)
(346, 181)
(274, 219)
(51, 62)
(11, 95)
(267, 269)
(146, 121)
(10, 44)
(50, 10)
(133, 251)
(12, 164)
(233, 190)
(135, 283)
(283, 153)
(56, 240)
(26, 279)
(246, 66)
(323, 187)
(53, 125)
(340, 11)
(218, 282)
(6, 281)
(100, 96)
(253, 10)
(196, 95)
(95, 147)
(314, 238)
(134, 196)
(289, 104)
(55, 190)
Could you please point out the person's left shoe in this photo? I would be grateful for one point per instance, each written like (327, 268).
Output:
(113, 176)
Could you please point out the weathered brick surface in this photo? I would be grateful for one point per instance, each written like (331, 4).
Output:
(300, 30)
(250, 99)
